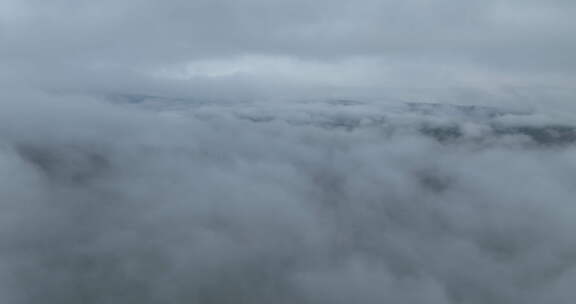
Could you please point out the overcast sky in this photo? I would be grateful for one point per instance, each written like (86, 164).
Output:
(255, 45)
(304, 201)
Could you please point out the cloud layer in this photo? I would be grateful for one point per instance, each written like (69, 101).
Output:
(253, 203)
(414, 43)
(257, 151)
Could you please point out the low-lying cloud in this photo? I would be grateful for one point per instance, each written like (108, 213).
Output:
(268, 203)
(287, 151)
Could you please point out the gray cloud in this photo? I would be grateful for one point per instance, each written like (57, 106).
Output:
(525, 42)
(257, 151)
(284, 203)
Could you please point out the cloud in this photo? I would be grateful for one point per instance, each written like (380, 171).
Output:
(276, 202)
(257, 151)
(513, 43)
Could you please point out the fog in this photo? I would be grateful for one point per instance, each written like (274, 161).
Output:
(257, 203)
(315, 152)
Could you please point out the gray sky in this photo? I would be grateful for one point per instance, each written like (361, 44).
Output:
(304, 201)
(265, 45)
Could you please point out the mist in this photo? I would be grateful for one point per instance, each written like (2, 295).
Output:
(315, 152)
(105, 203)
